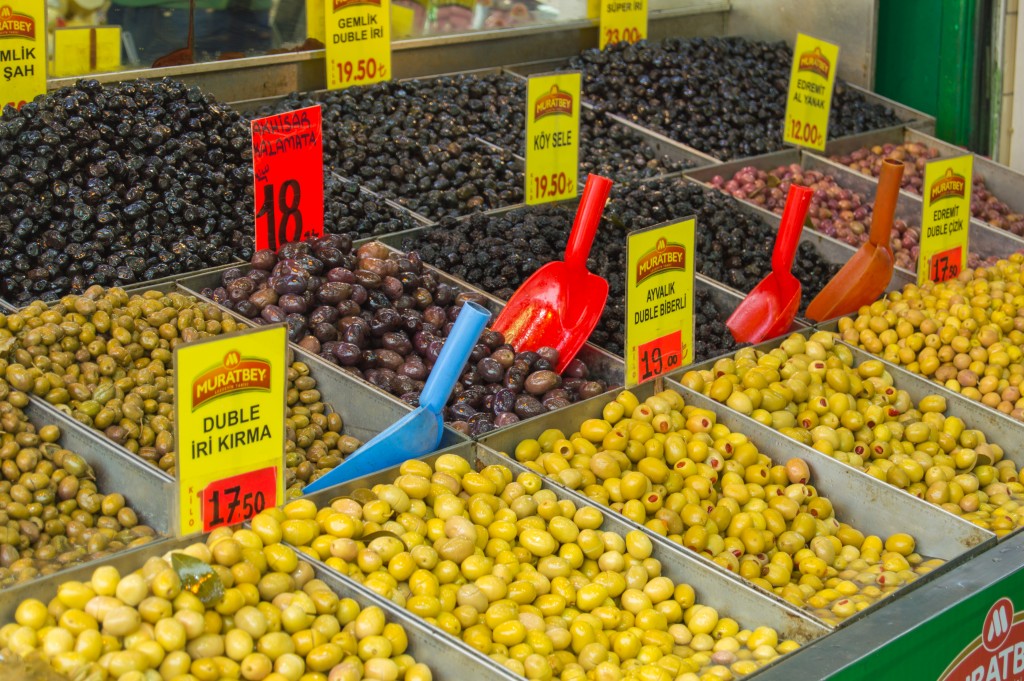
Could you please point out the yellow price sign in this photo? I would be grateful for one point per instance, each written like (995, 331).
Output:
(945, 219)
(77, 51)
(552, 137)
(229, 397)
(23, 57)
(659, 300)
(811, 82)
(358, 40)
(622, 21)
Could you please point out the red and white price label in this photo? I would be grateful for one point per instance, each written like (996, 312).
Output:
(288, 177)
(236, 499)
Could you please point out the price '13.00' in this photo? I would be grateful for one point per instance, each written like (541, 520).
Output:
(554, 184)
(360, 70)
(285, 200)
(804, 132)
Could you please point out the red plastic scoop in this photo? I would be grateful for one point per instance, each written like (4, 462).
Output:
(769, 309)
(561, 303)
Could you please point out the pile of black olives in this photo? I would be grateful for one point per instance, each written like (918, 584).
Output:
(358, 213)
(724, 96)
(401, 141)
(113, 184)
(383, 317)
(498, 253)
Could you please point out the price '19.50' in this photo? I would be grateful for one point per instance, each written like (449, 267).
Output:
(550, 185)
(287, 201)
(360, 70)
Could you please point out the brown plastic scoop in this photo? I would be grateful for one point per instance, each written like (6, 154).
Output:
(769, 309)
(866, 275)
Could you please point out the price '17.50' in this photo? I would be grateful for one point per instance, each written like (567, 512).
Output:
(361, 70)
(550, 185)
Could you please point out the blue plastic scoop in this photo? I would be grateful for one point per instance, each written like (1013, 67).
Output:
(418, 432)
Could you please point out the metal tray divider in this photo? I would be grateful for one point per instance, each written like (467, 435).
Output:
(912, 117)
(663, 144)
(448, 662)
(146, 487)
(170, 280)
(832, 250)
(896, 134)
(727, 591)
(857, 497)
(402, 210)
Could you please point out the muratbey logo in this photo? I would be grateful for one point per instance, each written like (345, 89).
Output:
(14, 25)
(342, 4)
(996, 655)
(554, 102)
(664, 256)
(815, 62)
(236, 373)
(947, 186)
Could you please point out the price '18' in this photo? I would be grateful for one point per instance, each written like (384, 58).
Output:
(361, 70)
(288, 197)
(550, 185)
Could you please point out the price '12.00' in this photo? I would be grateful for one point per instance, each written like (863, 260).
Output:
(550, 185)
(804, 132)
(287, 200)
(360, 70)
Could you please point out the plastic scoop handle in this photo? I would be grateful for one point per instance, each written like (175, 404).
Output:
(792, 224)
(454, 353)
(885, 203)
(588, 216)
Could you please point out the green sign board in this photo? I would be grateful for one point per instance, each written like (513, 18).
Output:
(980, 638)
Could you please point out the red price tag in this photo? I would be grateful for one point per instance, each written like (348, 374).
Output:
(661, 355)
(945, 265)
(238, 498)
(288, 177)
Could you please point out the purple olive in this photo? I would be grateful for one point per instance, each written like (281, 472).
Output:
(347, 354)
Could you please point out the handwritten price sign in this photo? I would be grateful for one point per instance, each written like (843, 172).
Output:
(238, 498)
(946, 265)
(358, 38)
(811, 82)
(288, 177)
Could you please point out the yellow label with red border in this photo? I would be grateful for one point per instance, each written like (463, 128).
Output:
(552, 137)
(22, 51)
(229, 400)
(78, 51)
(659, 300)
(811, 83)
(623, 21)
(946, 216)
(358, 42)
